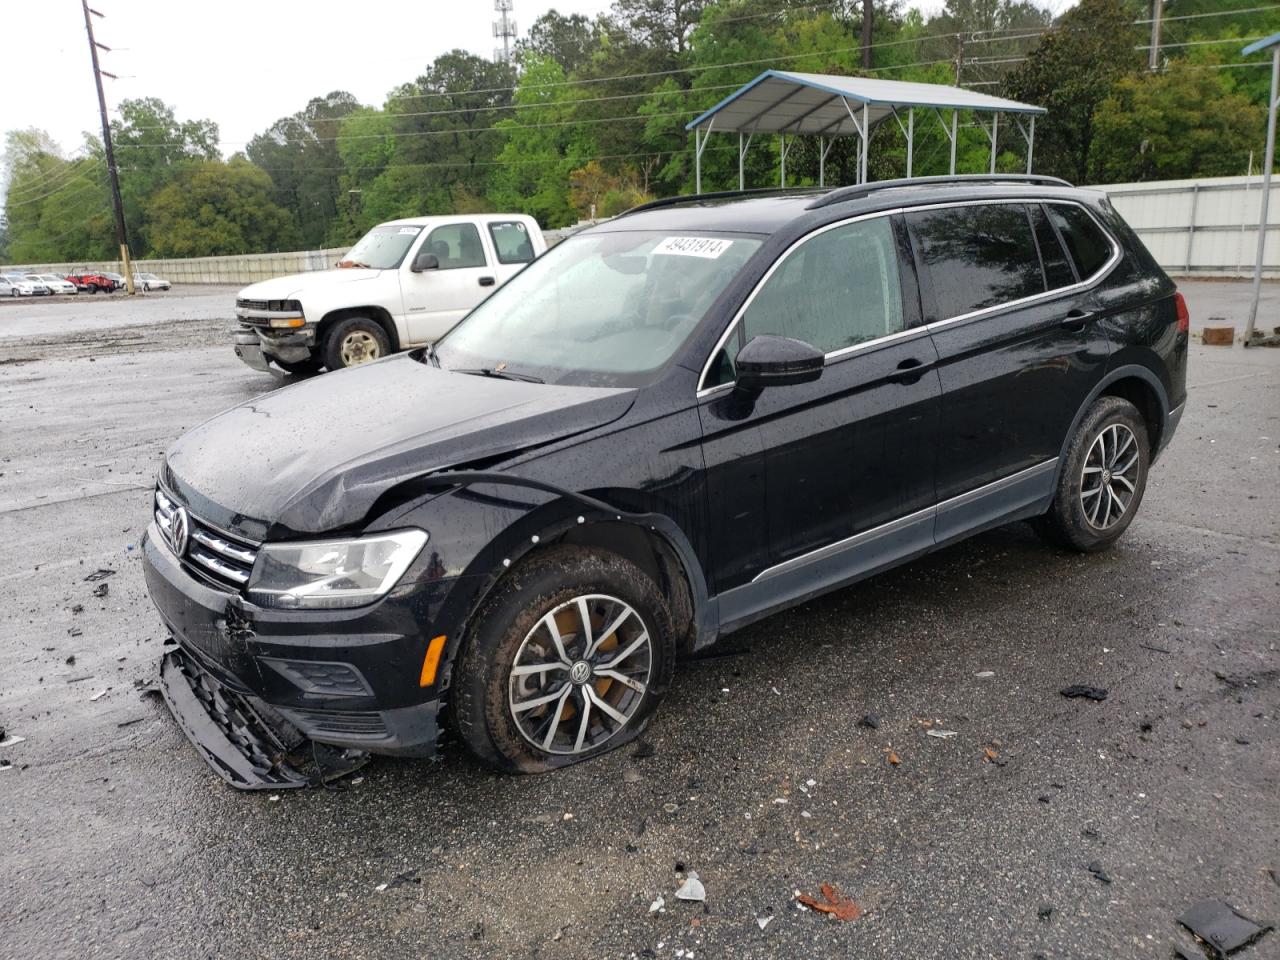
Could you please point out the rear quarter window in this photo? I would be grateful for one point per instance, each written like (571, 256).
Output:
(1088, 245)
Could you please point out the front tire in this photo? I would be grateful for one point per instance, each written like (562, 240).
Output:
(534, 690)
(1102, 480)
(354, 341)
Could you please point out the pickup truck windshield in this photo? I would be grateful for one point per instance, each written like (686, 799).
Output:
(382, 248)
(600, 309)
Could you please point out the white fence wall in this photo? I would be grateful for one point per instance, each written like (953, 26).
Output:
(1205, 227)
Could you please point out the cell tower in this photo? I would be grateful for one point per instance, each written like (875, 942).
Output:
(504, 28)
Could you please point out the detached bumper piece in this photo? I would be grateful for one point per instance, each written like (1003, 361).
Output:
(249, 746)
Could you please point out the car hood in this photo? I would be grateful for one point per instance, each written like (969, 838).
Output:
(314, 457)
(287, 288)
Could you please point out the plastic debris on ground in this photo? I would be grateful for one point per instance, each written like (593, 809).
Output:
(833, 902)
(941, 734)
(1082, 690)
(692, 888)
(98, 696)
(1095, 867)
(100, 574)
(1221, 926)
(657, 904)
(985, 673)
(763, 922)
(10, 740)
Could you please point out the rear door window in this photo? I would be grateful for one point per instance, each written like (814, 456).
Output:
(511, 241)
(977, 257)
(1087, 244)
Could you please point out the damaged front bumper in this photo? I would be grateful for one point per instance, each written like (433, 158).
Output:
(246, 743)
(268, 684)
(257, 345)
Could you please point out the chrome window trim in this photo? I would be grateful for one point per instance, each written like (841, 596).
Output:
(830, 549)
(746, 304)
(1093, 280)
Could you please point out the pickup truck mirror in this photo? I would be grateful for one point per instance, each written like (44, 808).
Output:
(425, 261)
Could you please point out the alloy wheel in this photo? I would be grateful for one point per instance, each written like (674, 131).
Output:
(580, 675)
(358, 347)
(1109, 479)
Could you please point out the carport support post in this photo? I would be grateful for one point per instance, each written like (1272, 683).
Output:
(995, 120)
(1031, 141)
(911, 131)
(697, 160)
(1267, 164)
(955, 123)
(822, 164)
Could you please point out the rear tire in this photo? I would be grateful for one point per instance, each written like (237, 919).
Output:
(632, 640)
(1102, 480)
(354, 341)
(93, 288)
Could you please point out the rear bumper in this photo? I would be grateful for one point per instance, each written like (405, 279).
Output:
(347, 679)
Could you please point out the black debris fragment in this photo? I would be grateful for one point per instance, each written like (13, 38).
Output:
(1081, 690)
(643, 750)
(71, 660)
(101, 589)
(77, 608)
(1221, 926)
(871, 720)
(100, 574)
(1045, 911)
(1095, 867)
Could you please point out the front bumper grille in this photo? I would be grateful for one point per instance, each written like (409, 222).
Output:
(211, 554)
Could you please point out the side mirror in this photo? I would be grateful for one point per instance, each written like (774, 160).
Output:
(769, 361)
(425, 261)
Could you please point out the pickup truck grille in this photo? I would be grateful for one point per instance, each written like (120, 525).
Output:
(252, 304)
(205, 551)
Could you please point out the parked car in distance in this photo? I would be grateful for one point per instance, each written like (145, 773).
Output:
(21, 285)
(672, 425)
(116, 279)
(149, 281)
(56, 284)
(91, 282)
(404, 284)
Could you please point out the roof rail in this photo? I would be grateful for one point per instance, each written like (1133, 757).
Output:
(719, 195)
(866, 189)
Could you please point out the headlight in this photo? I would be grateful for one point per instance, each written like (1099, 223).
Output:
(332, 573)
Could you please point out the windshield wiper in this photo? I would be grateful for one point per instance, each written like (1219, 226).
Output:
(500, 374)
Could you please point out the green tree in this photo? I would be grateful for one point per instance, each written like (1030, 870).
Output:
(1072, 71)
(1176, 124)
(56, 208)
(216, 208)
(300, 153)
(569, 41)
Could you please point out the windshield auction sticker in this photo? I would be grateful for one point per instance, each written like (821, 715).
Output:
(707, 247)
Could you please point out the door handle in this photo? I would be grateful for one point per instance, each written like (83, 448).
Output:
(910, 370)
(1076, 320)
(487, 281)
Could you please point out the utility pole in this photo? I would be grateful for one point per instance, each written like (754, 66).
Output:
(121, 237)
(959, 56)
(1157, 12)
(867, 15)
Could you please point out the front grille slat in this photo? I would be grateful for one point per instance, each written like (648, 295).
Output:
(211, 554)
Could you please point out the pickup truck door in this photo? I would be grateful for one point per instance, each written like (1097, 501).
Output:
(434, 300)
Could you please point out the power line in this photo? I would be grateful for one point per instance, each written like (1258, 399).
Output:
(46, 177)
(55, 191)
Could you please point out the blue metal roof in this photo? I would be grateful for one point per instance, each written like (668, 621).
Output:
(1262, 44)
(781, 101)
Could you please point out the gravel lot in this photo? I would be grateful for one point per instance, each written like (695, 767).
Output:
(118, 842)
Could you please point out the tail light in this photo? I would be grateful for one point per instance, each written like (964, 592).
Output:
(1184, 318)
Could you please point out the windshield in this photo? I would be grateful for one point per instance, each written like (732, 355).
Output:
(599, 309)
(382, 248)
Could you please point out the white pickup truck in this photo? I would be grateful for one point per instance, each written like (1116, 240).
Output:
(405, 284)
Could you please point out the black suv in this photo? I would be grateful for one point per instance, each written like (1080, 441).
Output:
(691, 417)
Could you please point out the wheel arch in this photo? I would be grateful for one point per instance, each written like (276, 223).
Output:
(379, 315)
(1141, 387)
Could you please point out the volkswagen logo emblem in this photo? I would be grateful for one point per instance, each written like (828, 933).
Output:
(179, 531)
(580, 672)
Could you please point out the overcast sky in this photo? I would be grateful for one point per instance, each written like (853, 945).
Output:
(241, 63)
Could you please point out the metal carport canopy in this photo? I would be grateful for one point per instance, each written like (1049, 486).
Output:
(828, 106)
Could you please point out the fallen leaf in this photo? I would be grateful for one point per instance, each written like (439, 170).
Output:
(893, 758)
(989, 755)
(832, 902)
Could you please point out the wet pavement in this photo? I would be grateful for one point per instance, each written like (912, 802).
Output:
(116, 841)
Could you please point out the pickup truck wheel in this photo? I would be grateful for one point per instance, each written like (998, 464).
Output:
(567, 660)
(354, 341)
(299, 368)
